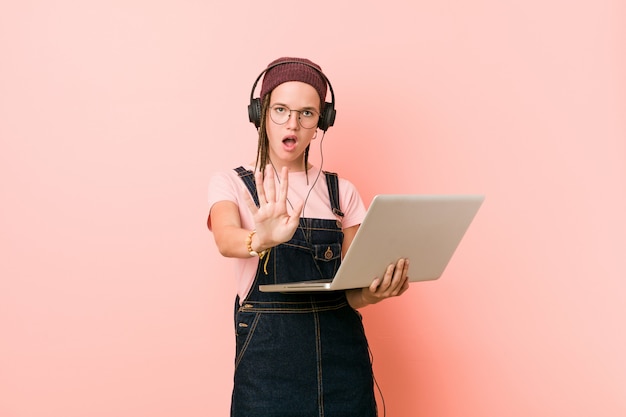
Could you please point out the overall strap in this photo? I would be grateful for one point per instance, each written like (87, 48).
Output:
(332, 180)
(248, 179)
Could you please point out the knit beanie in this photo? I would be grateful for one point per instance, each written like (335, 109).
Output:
(300, 70)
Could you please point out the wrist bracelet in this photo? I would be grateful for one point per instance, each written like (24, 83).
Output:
(251, 251)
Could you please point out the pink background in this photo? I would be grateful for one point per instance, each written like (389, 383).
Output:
(113, 115)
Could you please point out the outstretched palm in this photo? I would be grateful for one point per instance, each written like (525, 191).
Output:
(274, 224)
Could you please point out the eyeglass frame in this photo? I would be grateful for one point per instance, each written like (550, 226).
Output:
(272, 107)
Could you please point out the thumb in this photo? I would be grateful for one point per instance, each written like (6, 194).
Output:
(294, 218)
(374, 285)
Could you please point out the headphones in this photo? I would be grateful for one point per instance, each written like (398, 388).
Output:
(327, 117)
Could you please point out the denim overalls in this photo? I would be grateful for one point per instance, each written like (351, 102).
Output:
(301, 354)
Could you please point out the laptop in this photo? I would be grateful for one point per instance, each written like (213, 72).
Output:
(426, 229)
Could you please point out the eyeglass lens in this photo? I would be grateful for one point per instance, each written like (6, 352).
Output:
(280, 115)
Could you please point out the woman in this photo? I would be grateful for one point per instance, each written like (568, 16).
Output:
(296, 354)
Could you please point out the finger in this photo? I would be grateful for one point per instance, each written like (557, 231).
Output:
(294, 217)
(374, 285)
(269, 184)
(284, 186)
(405, 272)
(402, 267)
(392, 281)
(399, 275)
(260, 189)
(401, 287)
(405, 284)
(404, 281)
(404, 288)
(387, 279)
(249, 201)
(406, 267)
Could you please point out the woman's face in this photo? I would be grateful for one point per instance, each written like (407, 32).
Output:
(288, 141)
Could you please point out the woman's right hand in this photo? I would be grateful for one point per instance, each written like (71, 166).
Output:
(273, 222)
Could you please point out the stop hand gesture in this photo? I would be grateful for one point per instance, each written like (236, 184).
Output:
(273, 223)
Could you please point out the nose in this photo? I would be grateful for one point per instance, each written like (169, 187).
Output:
(293, 121)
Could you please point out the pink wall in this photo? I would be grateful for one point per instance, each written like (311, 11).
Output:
(113, 114)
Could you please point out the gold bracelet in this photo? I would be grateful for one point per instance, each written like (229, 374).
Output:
(251, 251)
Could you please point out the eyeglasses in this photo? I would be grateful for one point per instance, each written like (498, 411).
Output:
(307, 118)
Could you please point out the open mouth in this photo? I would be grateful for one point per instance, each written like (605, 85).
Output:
(289, 142)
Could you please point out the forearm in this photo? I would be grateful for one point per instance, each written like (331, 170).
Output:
(232, 242)
(230, 237)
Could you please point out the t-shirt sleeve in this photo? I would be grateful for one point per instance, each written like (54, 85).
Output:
(351, 204)
(221, 188)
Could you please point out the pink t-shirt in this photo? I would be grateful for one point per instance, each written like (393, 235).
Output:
(228, 186)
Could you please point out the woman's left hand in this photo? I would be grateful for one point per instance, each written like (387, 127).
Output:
(395, 282)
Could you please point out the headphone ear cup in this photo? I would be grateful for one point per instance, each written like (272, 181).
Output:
(254, 112)
(327, 118)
